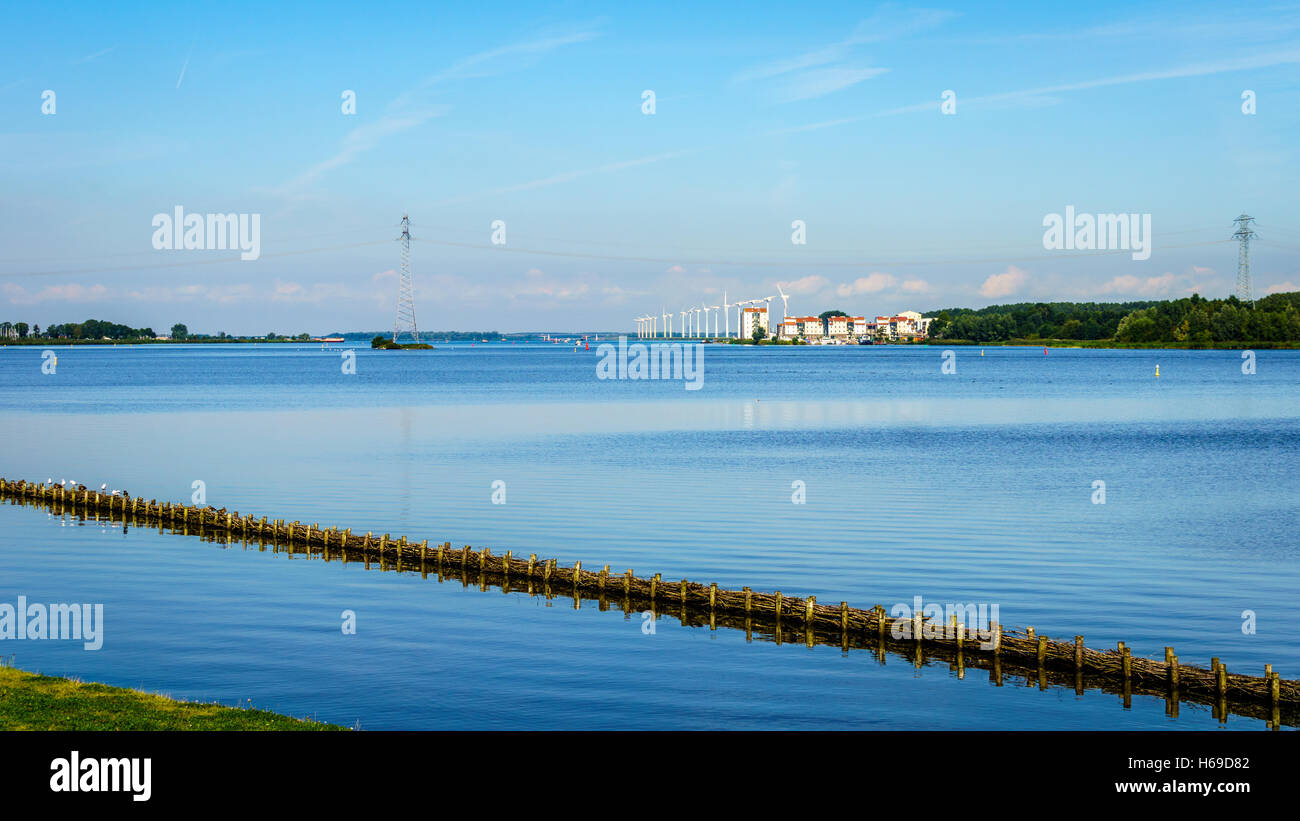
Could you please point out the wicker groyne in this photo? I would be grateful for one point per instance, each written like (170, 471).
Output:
(773, 616)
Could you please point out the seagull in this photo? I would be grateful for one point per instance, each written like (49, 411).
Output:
(103, 488)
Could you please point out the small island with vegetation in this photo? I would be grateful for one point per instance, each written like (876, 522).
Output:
(382, 343)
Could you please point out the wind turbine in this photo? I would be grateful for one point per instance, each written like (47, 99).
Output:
(785, 304)
(726, 314)
(705, 307)
(683, 316)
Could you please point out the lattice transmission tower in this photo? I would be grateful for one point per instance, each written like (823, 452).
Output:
(405, 322)
(1244, 234)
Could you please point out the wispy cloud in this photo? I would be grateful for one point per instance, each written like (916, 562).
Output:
(184, 66)
(827, 69)
(94, 56)
(569, 176)
(500, 60)
(1203, 69)
(407, 111)
(358, 141)
(1042, 96)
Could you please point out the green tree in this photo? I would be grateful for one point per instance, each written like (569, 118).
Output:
(760, 333)
(21, 328)
(179, 331)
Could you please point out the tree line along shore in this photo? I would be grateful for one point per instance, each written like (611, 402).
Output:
(1272, 321)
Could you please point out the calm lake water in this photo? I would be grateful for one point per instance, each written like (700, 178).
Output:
(968, 487)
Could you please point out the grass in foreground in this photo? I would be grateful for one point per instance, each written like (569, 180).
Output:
(30, 701)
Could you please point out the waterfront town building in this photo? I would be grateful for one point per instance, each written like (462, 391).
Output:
(751, 318)
(907, 326)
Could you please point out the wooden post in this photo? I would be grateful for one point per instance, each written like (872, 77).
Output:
(1078, 652)
(1042, 650)
(532, 563)
(577, 574)
(654, 586)
(627, 583)
(1127, 661)
(683, 592)
(749, 600)
(505, 564)
(1275, 689)
(713, 595)
(1173, 674)
(809, 604)
(844, 617)
(546, 572)
(959, 631)
(1222, 681)
(604, 576)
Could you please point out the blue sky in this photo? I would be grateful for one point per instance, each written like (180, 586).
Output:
(765, 113)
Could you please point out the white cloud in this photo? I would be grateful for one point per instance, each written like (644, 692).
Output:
(874, 282)
(73, 292)
(917, 286)
(1163, 285)
(1282, 288)
(811, 284)
(1003, 284)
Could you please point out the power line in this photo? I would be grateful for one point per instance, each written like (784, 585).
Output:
(405, 321)
(217, 261)
(786, 263)
(1243, 234)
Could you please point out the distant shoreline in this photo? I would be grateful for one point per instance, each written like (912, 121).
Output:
(1098, 344)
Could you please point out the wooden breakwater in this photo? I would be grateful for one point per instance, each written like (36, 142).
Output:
(772, 616)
